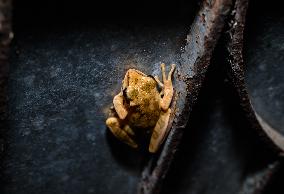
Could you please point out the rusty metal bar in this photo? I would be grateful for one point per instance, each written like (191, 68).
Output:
(195, 59)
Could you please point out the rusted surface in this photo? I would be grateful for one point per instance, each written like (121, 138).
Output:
(5, 39)
(235, 53)
(258, 182)
(219, 152)
(236, 61)
(195, 59)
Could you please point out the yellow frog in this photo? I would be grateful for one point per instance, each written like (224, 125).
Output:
(141, 106)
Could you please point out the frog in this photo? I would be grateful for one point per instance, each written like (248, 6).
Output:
(143, 103)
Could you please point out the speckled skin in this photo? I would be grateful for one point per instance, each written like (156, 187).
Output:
(144, 98)
(141, 106)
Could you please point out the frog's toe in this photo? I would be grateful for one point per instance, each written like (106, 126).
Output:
(171, 71)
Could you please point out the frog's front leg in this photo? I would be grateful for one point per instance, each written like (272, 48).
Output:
(160, 131)
(118, 102)
(168, 90)
(123, 134)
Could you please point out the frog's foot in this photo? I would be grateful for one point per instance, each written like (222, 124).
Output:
(168, 89)
(122, 134)
(160, 131)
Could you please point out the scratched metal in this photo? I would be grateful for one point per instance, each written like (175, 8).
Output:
(219, 152)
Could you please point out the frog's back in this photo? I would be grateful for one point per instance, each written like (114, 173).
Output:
(146, 111)
(146, 114)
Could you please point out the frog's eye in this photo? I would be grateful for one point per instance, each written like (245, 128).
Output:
(126, 95)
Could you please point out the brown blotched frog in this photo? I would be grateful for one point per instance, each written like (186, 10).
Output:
(140, 105)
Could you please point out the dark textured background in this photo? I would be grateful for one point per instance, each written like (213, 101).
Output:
(67, 62)
(63, 76)
(61, 86)
(264, 57)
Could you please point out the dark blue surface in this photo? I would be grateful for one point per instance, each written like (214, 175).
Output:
(61, 85)
(264, 59)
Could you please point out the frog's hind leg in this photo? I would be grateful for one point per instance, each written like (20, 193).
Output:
(160, 131)
(122, 134)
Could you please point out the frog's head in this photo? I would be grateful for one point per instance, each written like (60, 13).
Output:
(136, 86)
